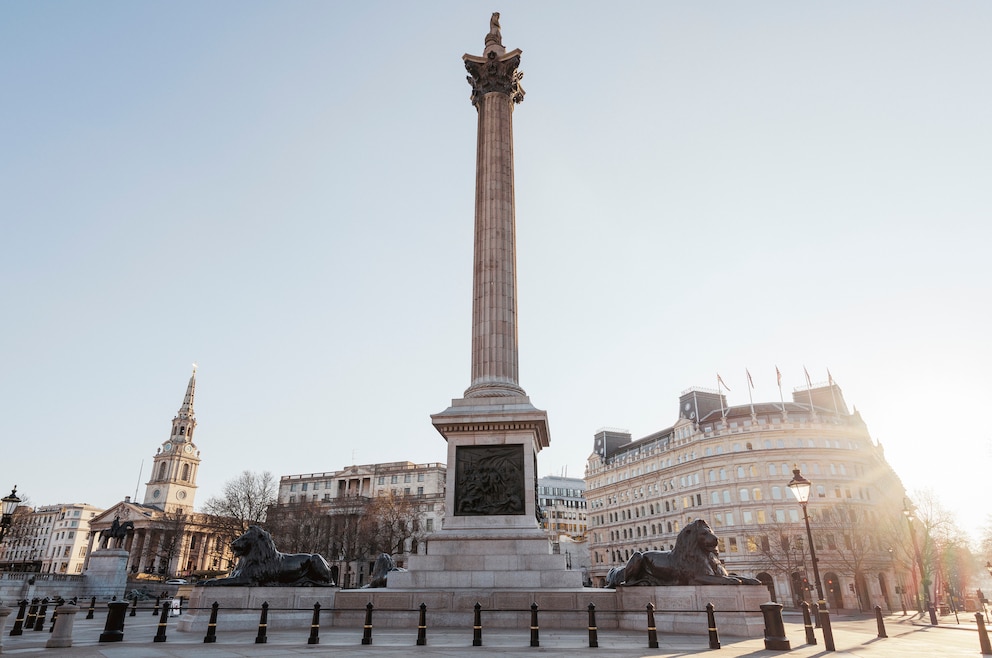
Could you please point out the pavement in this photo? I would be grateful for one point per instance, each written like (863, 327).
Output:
(854, 636)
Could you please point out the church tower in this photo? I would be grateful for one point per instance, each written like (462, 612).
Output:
(172, 486)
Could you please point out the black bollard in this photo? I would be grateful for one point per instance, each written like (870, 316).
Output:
(879, 622)
(711, 622)
(422, 626)
(89, 613)
(18, 628)
(808, 624)
(315, 626)
(933, 615)
(32, 614)
(55, 613)
(593, 631)
(983, 635)
(113, 630)
(39, 621)
(815, 608)
(535, 630)
(263, 625)
(134, 608)
(367, 631)
(163, 620)
(828, 631)
(211, 635)
(477, 626)
(158, 606)
(652, 629)
(775, 639)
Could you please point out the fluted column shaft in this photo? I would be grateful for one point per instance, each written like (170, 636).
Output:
(495, 83)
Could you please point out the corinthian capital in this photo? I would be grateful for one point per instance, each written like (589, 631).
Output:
(495, 73)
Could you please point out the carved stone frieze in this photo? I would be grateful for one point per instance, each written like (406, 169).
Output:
(489, 480)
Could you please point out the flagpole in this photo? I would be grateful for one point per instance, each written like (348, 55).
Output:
(809, 392)
(778, 377)
(750, 397)
(830, 380)
(719, 382)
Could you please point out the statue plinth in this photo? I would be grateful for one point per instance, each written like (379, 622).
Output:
(491, 535)
(106, 574)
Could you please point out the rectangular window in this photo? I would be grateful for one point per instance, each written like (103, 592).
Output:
(393, 480)
(733, 544)
(304, 487)
(430, 525)
(747, 518)
(382, 479)
(420, 477)
(406, 478)
(292, 487)
(420, 491)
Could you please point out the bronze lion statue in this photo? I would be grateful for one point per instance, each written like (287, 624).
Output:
(694, 561)
(261, 565)
(384, 565)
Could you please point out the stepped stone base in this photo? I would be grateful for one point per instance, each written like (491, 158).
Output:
(492, 558)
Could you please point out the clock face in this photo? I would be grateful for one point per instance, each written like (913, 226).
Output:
(181, 494)
(188, 448)
(687, 406)
(167, 447)
(156, 493)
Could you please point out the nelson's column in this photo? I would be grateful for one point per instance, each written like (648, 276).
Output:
(491, 536)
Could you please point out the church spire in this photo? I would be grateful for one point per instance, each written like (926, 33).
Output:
(186, 411)
(175, 465)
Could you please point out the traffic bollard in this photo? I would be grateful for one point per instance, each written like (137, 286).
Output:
(211, 635)
(711, 622)
(593, 631)
(535, 630)
(422, 626)
(263, 625)
(652, 629)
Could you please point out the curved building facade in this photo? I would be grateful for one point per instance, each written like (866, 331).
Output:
(731, 466)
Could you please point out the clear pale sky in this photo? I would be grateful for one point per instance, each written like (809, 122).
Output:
(283, 192)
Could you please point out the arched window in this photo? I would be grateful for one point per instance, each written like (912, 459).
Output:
(161, 471)
(186, 472)
(743, 494)
(182, 431)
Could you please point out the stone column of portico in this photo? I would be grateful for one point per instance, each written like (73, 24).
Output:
(490, 535)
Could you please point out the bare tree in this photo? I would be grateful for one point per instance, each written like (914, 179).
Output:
(304, 527)
(243, 503)
(172, 528)
(390, 521)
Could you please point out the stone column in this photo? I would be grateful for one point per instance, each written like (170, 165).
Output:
(496, 88)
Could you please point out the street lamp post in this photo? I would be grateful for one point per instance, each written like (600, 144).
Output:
(10, 504)
(801, 487)
(907, 510)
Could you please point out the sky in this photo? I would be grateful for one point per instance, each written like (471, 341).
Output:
(282, 192)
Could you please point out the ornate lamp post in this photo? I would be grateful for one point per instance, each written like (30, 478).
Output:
(801, 487)
(10, 504)
(908, 511)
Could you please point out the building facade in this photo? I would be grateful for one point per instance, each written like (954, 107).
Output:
(563, 506)
(731, 466)
(364, 510)
(49, 539)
